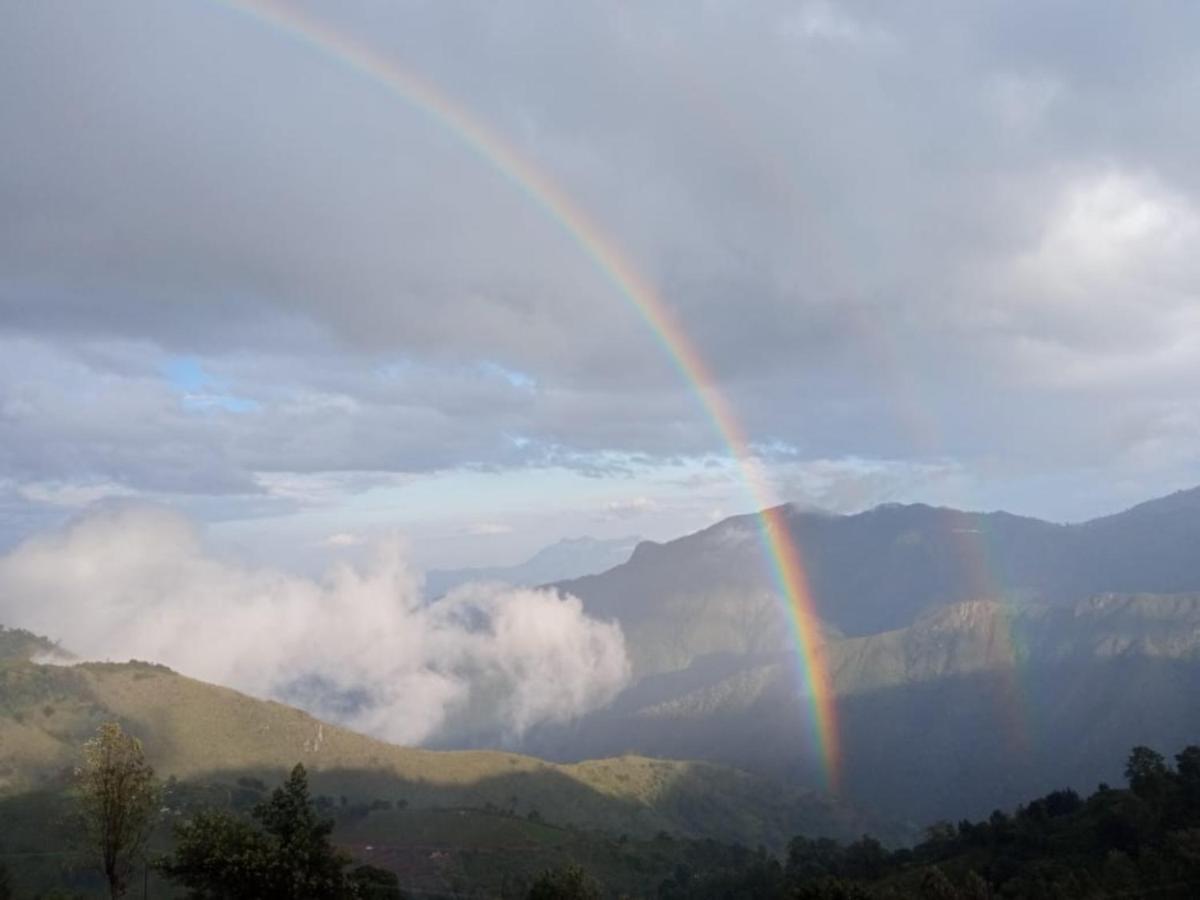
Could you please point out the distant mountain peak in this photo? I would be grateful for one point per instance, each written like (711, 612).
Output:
(643, 549)
(569, 546)
(1181, 501)
(571, 557)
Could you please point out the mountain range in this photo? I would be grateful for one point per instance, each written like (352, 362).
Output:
(975, 660)
(568, 558)
(975, 657)
(880, 569)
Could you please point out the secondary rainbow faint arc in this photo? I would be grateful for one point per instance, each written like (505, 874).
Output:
(499, 155)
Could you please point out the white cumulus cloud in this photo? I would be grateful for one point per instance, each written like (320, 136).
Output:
(359, 646)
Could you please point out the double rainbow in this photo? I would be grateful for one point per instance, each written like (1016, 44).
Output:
(540, 190)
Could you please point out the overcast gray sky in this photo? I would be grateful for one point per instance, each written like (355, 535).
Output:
(930, 251)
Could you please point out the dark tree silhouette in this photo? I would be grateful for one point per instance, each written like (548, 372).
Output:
(289, 856)
(1147, 772)
(568, 883)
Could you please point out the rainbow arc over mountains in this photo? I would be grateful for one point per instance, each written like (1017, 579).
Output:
(499, 155)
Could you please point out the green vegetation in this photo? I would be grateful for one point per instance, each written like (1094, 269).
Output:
(1140, 842)
(18, 644)
(1143, 841)
(480, 823)
(568, 883)
(450, 852)
(118, 802)
(219, 856)
(383, 819)
(202, 733)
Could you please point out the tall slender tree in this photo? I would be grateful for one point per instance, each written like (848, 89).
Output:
(118, 800)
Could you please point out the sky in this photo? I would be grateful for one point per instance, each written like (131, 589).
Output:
(935, 252)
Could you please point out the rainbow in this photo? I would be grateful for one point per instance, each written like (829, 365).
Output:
(505, 160)
(913, 417)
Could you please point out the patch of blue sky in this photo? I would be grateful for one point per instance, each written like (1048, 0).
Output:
(185, 374)
(199, 390)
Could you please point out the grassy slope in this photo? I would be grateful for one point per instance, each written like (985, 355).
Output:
(194, 730)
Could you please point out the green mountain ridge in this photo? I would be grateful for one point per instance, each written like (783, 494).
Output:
(200, 732)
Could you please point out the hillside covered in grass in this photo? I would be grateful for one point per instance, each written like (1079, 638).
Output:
(193, 731)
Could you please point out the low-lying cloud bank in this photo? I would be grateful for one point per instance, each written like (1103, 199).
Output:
(359, 647)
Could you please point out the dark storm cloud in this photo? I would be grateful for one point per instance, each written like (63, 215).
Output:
(936, 232)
